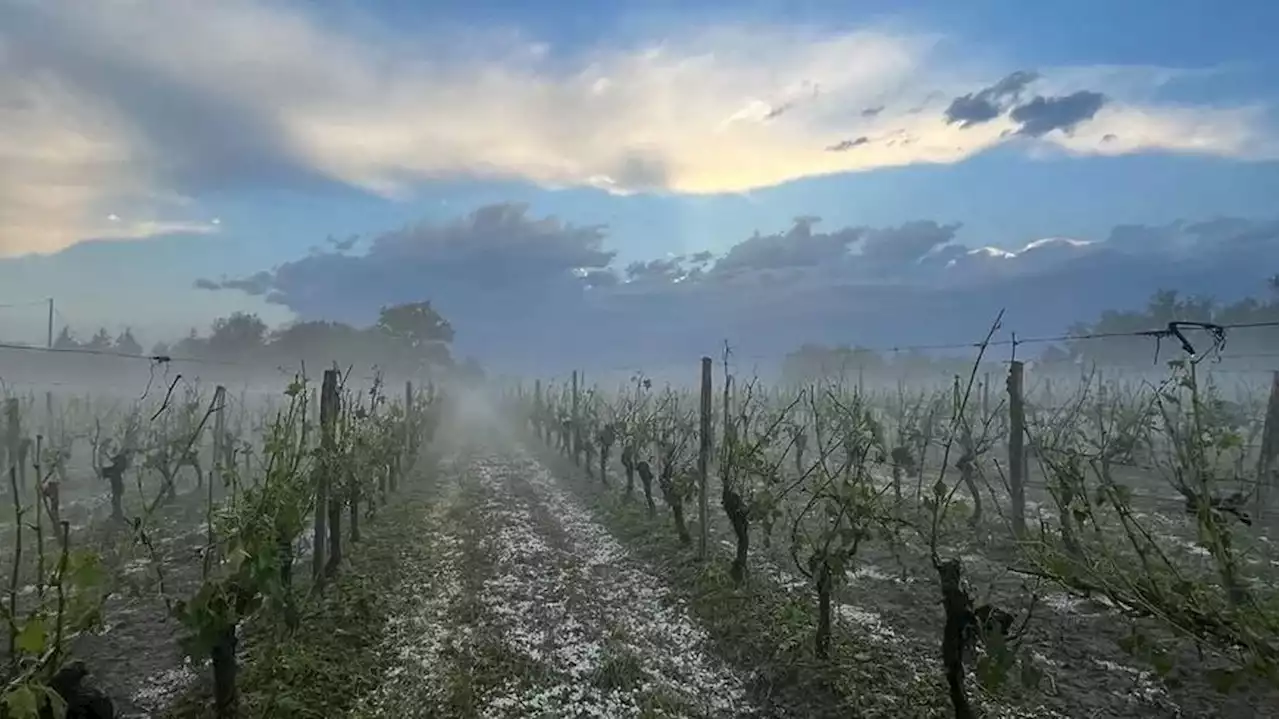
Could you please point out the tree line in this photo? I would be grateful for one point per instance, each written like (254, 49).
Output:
(1164, 306)
(406, 337)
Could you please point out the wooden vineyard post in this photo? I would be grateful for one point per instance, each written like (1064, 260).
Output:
(403, 461)
(328, 419)
(215, 468)
(335, 497)
(704, 457)
(1265, 493)
(537, 408)
(313, 406)
(573, 429)
(1017, 455)
(48, 414)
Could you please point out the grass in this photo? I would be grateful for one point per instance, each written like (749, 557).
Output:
(770, 629)
(333, 658)
(766, 627)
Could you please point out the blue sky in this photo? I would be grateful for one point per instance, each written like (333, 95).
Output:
(145, 145)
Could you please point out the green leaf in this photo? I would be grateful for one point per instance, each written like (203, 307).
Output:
(31, 638)
(21, 703)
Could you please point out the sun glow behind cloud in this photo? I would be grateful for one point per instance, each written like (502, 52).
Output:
(138, 108)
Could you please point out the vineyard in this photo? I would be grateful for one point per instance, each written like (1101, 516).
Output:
(150, 541)
(993, 547)
(1107, 551)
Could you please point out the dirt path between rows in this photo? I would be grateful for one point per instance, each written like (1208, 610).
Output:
(520, 605)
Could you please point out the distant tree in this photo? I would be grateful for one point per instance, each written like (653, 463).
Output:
(127, 343)
(303, 339)
(190, 346)
(416, 324)
(471, 370)
(101, 340)
(65, 340)
(325, 342)
(418, 327)
(237, 335)
(813, 361)
(161, 349)
(1167, 306)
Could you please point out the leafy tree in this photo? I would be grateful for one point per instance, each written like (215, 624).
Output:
(65, 340)
(312, 338)
(416, 324)
(127, 343)
(1167, 306)
(101, 340)
(814, 361)
(190, 346)
(237, 335)
(418, 327)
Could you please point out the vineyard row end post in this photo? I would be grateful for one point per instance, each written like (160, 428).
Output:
(215, 468)
(574, 435)
(704, 457)
(1017, 452)
(328, 417)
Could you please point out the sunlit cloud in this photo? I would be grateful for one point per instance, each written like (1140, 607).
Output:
(140, 107)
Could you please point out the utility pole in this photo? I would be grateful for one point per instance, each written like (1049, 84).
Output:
(49, 327)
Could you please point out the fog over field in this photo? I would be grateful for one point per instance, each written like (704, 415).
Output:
(697, 359)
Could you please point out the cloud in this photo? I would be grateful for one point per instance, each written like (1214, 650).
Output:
(990, 102)
(141, 108)
(1042, 115)
(844, 145)
(539, 292)
(498, 270)
(1036, 117)
(257, 284)
(895, 247)
(798, 247)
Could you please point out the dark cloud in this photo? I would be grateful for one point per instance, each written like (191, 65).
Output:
(844, 145)
(798, 247)
(1042, 115)
(600, 278)
(873, 111)
(498, 271)
(640, 171)
(898, 246)
(257, 284)
(661, 270)
(779, 110)
(991, 102)
(543, 295)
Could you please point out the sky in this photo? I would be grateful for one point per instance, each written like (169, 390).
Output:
(632, 181)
